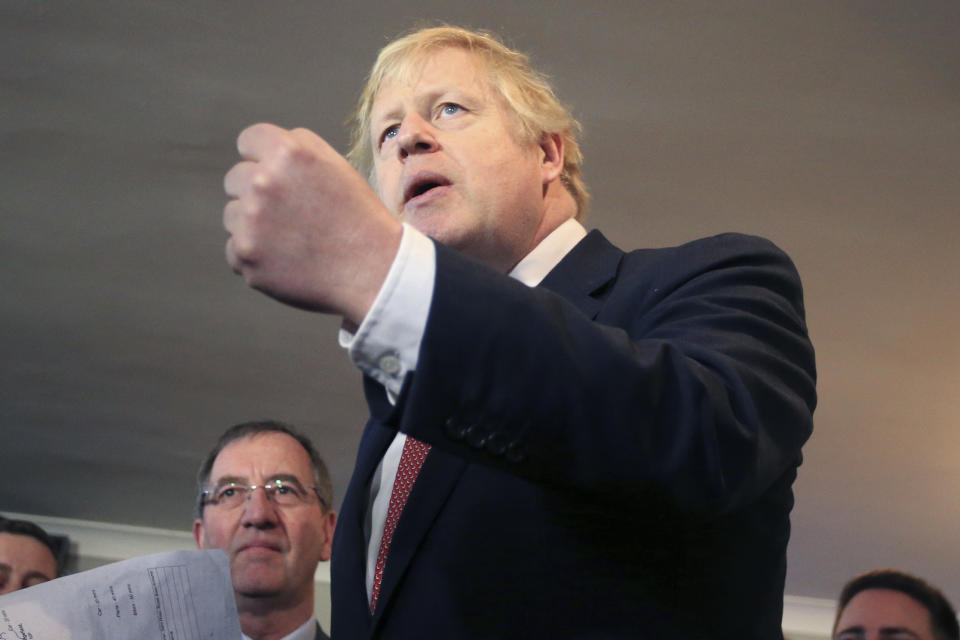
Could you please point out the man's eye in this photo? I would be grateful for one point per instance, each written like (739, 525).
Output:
(290, 489)
(227, 492)
(389, 132)
(450, 109)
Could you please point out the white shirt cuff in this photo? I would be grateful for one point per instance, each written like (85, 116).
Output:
(387, 343)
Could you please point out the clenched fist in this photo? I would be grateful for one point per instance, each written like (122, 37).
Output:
(305, 227)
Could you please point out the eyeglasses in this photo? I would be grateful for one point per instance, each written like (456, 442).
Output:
(283, 493)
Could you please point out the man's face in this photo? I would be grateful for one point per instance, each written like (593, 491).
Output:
(24, 562)
(884, 614)
(273, 550)
(448, 160)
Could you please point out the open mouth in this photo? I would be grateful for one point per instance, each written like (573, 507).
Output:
(421, 183)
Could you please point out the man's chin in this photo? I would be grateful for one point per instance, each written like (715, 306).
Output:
(439, 224)
(259, 582)
(259, 589)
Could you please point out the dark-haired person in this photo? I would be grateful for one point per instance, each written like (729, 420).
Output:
(888, 604)
(566, 440)
(265, 498)
(27, 556)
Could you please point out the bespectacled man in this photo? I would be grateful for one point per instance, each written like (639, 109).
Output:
(265, 498)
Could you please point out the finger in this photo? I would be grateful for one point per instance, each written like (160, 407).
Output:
(232, 256)
(239, 179)
(310, 140)
(232, 214)
(254, 141)
(306, 137)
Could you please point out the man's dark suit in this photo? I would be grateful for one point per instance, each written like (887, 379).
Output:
(613, 451)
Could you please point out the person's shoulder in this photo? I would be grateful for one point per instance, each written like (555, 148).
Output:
(730, 241)
(720, 248)
(734, 241)
(722, 259)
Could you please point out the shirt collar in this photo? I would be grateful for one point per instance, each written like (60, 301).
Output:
(545, 256)
(306, 631)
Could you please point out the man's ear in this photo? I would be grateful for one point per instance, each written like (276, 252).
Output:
(198, 532)
(551, 157)
(329, 526)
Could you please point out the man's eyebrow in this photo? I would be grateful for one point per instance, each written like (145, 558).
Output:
(230, 480)
(379, 121)
(392, 114)
(241, 480)
(857, 629)
(893, 631)
(284, 477)
(5, 567)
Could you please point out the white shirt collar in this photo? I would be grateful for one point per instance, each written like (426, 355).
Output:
(545, 256)
(307, 631)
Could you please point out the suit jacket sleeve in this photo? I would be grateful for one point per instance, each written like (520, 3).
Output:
(684, 375)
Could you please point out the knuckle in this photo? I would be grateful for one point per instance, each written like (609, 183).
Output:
(305, 138)
(298, 153)
(241, 212)
(245, 250)
(282, 158)
(286, 144)
(263, 182)
(301, 146)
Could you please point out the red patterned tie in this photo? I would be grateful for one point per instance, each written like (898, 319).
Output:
(411, 459)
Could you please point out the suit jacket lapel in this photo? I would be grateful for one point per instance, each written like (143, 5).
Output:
(351, 610)
(584, 272)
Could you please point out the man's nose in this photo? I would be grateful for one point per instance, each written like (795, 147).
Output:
(416, 135)
(258, 509)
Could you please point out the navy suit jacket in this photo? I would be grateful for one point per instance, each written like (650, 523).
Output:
(613, 451)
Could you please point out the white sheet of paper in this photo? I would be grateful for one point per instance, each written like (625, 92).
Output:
(180, 595)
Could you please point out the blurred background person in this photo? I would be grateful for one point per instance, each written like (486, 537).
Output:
(887, 604)
(27, 555)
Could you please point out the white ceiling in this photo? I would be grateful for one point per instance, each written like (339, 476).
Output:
(832, 127)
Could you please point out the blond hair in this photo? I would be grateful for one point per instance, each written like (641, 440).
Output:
(526, 92)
